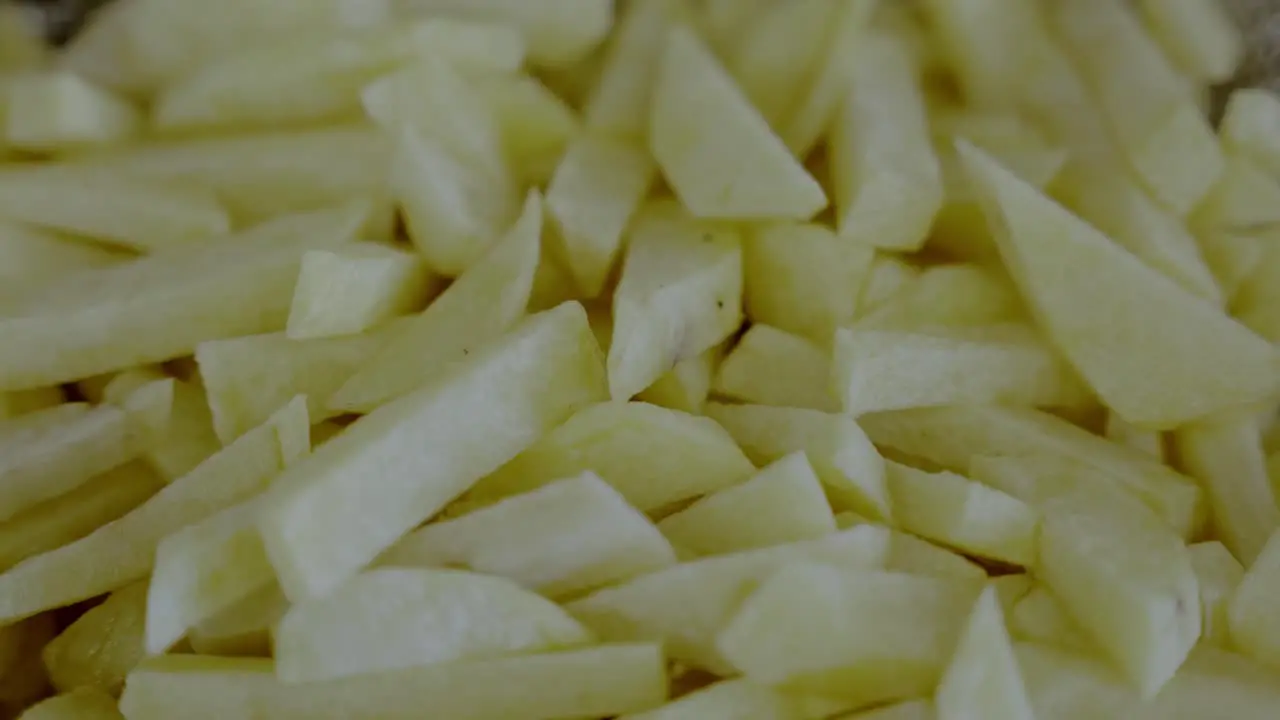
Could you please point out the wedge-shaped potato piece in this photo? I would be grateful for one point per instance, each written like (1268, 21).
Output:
(771, 367)
(248, 378)
(348, 291)
(889, 275)
(952, 510)
(782, 503)
(680, 294)
(57, 110)
(1156, 354)
(1117, 430)
(910, 554)
(187, 436)
(960, 294)
(1041, 617)
(987, 44)
(951, 437)
(482, 304)
(1225, 454)
(618, 103)
(597, 187)
(1064, 684)
(741, 699)
(95, 203)
(1167, 139)
(260, 176)
(864, 636)
(850, 468)
(594, 682)
(443, 438)
(715, 149)
(982, 680)
(163, 306)
(686, 605)
(534, 124)
(84, 704)
(652, 456)
(1233, 257)
(877, 370)
(564, 538)
(41, 460)
(1219, 574)
(1127, 579)
(124, 551)
(72, 515)
(686, 386)
(244, 629)
(888, 183)
(1251, 615)
(100, 648)
(1244, 198)
(558, 33)
(1250, 126)
(801, 278)
(1215, 682)
(395, 618)
(1198, 36)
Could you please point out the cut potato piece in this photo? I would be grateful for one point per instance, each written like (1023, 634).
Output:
(740, 699)
(124, 551)
(686, 386)
(248, 378)
(955, 511)
(715, 149)
(983, 680)
(987, 44)
(396, 618)
(888, 183)
(1257, 301)
(482, 304)
(910, 554)
(1065, 685)
(1127, 579)
(244, 629)
(96, 203)
(1150, 442)
(597, 187)
(558, 32)
(535, 125)
(1198, 36)
(801, 278)
(595, 682)
(1040, 617)
(959, 294)
(442, 438)
(562, 539)
(1155, 354)
(782, 503)
(30, 256)
(165, 305)
(1250, 126)
(1225, 454)
(40, 461)
(1251, 615)
(187, 438)
(348, 291)
(619, 101)
(1219, 574)
(999, 364)
(84, 704)
(1213, 681)
(1244, 198)
(1233, 257)
(654, 457)
(863, 636)
(58, 110)
(772, 367)
(685, 606)
(73, 515)
(680, 294)
(910, 710)
(889, 275)
(100, 648)
(850, 468)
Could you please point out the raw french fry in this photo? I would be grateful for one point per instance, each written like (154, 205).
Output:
(102, 646)
(887, 180)
(163, 306)
(850, 468)
(1250, 127)
(782, 503)
(680, 295)
(1206, 361)
(961, 294)
(410, 617)
(715, 149)
(1198, 36)
(123, 551)
(535, 125)
(597, 187)
(1219, 574)
(187, 438)
(653, 457)
(482, 304)
(244, 629)
(1250, 620)
(686, 386)
(1065, 684)
(86, 704)
(988, 45)
(32, 256)
(889, 274)
(982, 678)
(443, 437)
(1243, 199)
(353, 289)
(686, 605)
(1214, 681)
(619, 101)
(910, 554)
(772, 367)
(802, 278)
(558, 32)
(562, 539)
(1150, 442)
(594, 682)
(54, 111)
(1233, 257)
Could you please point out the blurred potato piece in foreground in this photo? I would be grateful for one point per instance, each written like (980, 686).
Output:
(86, 704)
(53, 111)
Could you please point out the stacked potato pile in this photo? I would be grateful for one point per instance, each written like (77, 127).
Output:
(684, 359)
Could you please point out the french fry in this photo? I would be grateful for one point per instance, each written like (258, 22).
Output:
(100, 648)
(772, 367)
(1219, 574)
(1253, 631)
(618, 103)
(1198, 36)
(1251, 127)
(351, 290)
(53, 111)
(983, 678)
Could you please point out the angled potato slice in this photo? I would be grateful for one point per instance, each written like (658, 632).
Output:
(244, 629)
(535, 125)
(960, 295)
(618, 103)
(715, 149)
(548, 367)
(124, 551)
(1215, 681)
(100, 648)
(1150, 442)
(986, 43)
(1219, 574)
(771, 367)
(742, 699)
(850, 468)
(564, 538)
(483, 303)
(1244, 198)
(652, 456)
(86, 704)
(162, 306)
(57, 110)
(983, 679)
(1065, 684)
(393, 618)
(1199, 36)
(30, 256)
(558, 32)
(351, 290)
(1250, 616)
(686, 386)
(1155, 354)
(187, 436)
(1040, 616)
(1251, 126)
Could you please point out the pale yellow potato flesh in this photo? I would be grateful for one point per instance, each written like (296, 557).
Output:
(100, 648)
(983, 678)
(84, 704)
(356, 289)
(54, 111)
(771, 367)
